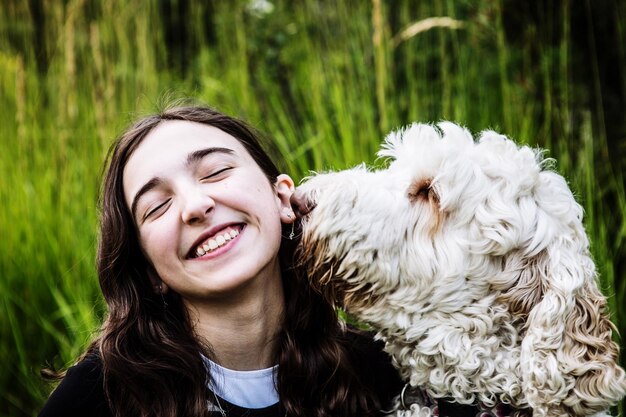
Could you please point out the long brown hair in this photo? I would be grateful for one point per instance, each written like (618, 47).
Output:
(151, 360)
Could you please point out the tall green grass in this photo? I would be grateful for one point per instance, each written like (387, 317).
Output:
(326, 80)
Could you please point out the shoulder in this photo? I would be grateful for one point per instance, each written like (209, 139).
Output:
(81, 392)
(364, 343)
(374, 365)
(366, 349)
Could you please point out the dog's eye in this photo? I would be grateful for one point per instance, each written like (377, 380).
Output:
(420, 190)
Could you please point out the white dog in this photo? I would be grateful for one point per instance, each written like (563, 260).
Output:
(471, 262)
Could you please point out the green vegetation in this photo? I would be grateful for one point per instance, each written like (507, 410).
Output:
(325, 80)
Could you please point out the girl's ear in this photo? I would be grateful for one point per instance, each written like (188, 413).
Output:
(284, 189)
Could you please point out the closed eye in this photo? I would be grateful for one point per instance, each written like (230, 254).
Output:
(216, 173)
(156, 209)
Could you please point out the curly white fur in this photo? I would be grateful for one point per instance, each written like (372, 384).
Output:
(471, 261)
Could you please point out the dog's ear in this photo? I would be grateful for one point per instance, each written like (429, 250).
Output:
(568, 358)
(504, 180)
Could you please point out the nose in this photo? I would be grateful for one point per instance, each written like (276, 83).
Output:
(196, 206)
(300, 204)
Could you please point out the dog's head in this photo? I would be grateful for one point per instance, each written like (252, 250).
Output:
(440, 220)
(454, 225)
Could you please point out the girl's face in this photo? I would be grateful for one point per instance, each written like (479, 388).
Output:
(208, 219)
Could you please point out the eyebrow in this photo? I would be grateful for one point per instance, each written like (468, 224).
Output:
(192, 158)
(196, 156)
(153, 183)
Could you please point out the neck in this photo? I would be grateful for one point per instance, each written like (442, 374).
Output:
(242, 329)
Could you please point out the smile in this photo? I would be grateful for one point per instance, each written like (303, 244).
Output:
(216, 241)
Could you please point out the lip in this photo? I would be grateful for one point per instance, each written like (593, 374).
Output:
(209, 233)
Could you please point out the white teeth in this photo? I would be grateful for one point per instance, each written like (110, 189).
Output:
(219, 240)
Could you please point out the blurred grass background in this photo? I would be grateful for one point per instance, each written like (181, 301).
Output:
(327, 80)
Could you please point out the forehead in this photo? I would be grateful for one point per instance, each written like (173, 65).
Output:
(181, 137)
(166, 149)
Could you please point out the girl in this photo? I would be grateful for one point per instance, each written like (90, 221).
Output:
(205, 314)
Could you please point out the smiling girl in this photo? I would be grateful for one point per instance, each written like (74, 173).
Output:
(205, 313)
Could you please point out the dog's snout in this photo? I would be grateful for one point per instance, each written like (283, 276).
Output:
(300, 204)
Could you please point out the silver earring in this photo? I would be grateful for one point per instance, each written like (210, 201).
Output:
(292, 234)
(162, 297)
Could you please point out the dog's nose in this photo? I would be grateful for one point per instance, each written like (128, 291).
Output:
(300, 204)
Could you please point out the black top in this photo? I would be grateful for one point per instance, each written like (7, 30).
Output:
(81, 392)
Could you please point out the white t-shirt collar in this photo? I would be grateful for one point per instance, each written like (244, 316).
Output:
(248, 389)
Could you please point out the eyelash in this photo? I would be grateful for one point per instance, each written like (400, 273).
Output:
(216, 173)
(154, 210)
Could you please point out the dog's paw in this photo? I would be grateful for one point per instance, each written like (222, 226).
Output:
(415, 410)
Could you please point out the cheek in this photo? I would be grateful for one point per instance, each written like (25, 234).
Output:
(153, 250)
(156, 243)
(269, 216)
(259, 198)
